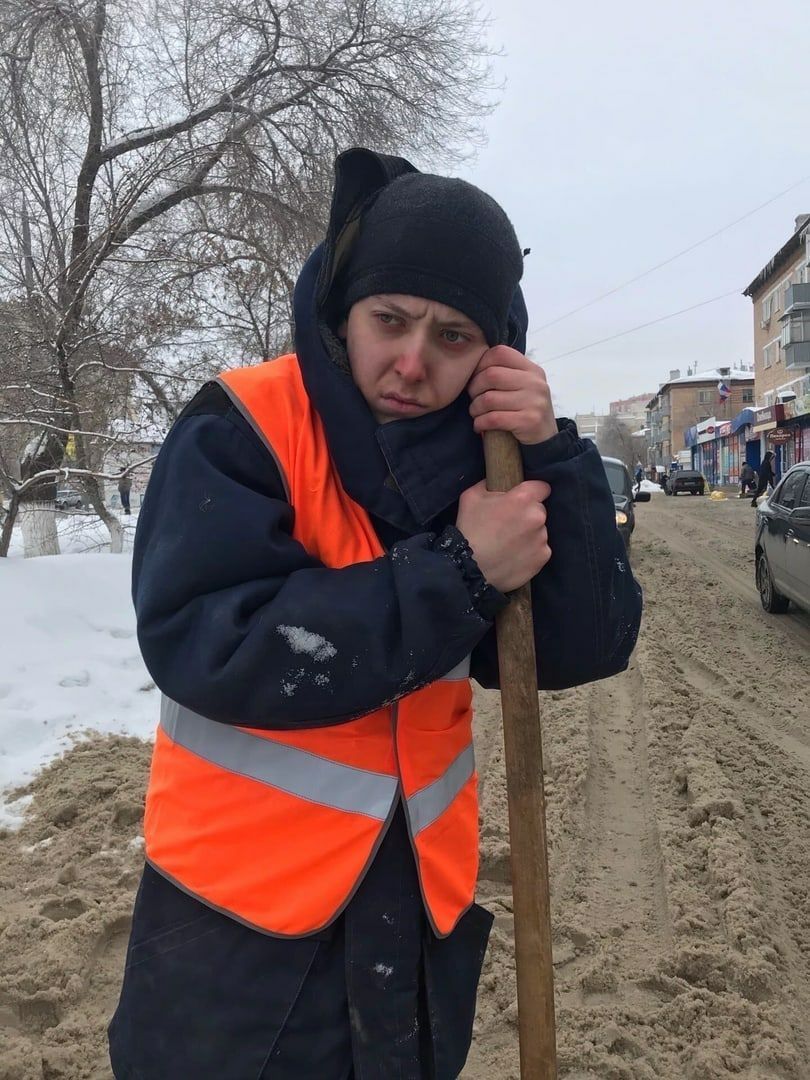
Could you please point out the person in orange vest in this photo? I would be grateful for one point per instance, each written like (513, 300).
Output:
(317, 569)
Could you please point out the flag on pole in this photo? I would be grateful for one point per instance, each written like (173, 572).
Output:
(724, 390)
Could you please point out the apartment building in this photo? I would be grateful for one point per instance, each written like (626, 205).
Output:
(631, 411)
(683, 402)
(780, 295)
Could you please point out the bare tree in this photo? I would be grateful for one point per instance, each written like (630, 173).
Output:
(616, 440)
(163, 167)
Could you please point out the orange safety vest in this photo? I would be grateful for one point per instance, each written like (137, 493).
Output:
(277, 828)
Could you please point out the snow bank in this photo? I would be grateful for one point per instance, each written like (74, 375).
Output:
(69, 662)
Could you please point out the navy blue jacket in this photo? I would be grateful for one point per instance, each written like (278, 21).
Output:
(215, 573)
(216, 570)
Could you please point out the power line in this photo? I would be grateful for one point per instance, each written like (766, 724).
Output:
(641, 326)
(672, 258)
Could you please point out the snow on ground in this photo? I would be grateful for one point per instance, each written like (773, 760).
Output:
(69, 661)
(654, 489)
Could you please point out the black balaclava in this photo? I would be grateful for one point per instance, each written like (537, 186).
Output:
(441, 239)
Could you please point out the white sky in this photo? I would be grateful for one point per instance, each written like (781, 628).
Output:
(626, 132)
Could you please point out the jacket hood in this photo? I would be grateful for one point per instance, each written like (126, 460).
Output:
(406, 471)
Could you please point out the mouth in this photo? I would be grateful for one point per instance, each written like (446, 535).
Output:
(402, 404)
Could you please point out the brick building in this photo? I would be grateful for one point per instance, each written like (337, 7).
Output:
(685, 401)
(780, 297)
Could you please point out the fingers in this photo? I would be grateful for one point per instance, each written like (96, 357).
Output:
(525, 425)
(536, 490)
(530, 491)
(497, 378)
(507, 357)
(504, 401)
(510, 393)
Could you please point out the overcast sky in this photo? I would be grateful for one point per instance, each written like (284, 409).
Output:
(626, 132)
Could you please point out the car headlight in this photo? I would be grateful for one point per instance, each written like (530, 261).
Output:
(621, 517)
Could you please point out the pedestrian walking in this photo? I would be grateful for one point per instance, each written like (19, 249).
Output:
(767, 476)
(748, 479)
(639, 475)
(316, 573)
(124, 489)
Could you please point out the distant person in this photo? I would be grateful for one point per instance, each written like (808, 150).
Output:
(662, 480)
(639, 475)
(124, 488)
(767, 476)
(748, 480)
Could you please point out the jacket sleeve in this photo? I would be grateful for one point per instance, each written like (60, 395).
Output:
(586, 603)
(236, 621)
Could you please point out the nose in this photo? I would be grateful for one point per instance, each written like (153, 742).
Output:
(411, 364)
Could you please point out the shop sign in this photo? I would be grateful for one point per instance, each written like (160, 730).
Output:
(706, 431)
(780, 435)
(724, 430)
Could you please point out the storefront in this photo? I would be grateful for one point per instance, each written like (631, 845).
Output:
(797, 424)
(747, 447)
(766, 421)
(728, 454)
(705, 454)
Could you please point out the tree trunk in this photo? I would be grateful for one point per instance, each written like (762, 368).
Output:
(95, 493)
(38, 522)
(8, 525)
(113, 523)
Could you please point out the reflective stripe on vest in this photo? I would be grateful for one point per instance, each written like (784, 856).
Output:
(298, 772)
(431, 802)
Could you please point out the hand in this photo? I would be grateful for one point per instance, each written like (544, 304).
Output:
(509, 392)
(506, 531)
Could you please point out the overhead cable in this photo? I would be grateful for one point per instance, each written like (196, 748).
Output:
(672, 258)
(641, 326)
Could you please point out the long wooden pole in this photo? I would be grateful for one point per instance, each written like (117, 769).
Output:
(527, 817)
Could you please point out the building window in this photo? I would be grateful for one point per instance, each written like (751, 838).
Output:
(747, 396)
(705, 397)
(796, 329)
(770, 354)
(767, 308)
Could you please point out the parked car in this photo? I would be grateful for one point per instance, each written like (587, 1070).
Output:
(69, 499)
(782, 550)
(686, 480)
(624, 497)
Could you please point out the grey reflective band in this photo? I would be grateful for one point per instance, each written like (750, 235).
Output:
(287, 768)
(431, 802)
(460, 671)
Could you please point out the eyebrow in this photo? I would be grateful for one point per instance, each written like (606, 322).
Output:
(448, 324)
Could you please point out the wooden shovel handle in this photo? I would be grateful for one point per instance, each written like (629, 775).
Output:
(524, 781)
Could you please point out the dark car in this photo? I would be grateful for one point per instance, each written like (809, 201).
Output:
(686, 480)
(782, 550)
(623, 497)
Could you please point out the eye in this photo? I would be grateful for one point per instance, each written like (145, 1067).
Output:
(386, 318)
(454, 337)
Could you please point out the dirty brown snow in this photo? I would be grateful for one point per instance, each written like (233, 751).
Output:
(679, 829)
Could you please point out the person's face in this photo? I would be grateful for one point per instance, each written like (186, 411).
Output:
(410, 356)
